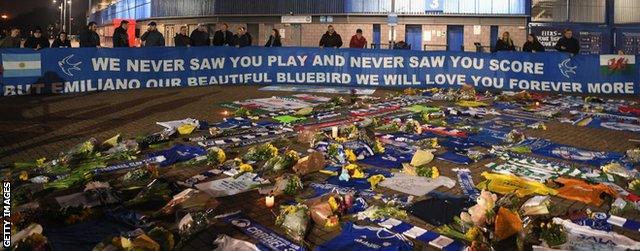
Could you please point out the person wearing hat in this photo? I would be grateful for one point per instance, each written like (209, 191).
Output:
(200, 36)
(152, 37)
(357, 40)
(37, 40)
(120, 36)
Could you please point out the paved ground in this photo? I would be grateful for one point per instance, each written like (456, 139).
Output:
(32, 127)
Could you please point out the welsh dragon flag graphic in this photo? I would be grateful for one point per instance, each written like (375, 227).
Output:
(617, 64)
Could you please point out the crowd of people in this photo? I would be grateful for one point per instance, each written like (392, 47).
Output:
(225, 37)
(567, 43)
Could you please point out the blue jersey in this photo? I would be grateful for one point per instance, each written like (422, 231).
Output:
(354, 237)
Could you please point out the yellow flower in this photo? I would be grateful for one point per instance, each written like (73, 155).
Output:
(40, 161)
(435, 173)
(634, 184)
(374, 180)
(341, 139)
(379, 148)
(290, 209)
(293, 155)
(355, 171)
(351, 157)
(332, 221)
(333, 204)
(273, 150)
(246, 168)
(472, 233)
(221, 156)
(24, 175)
(434, 143)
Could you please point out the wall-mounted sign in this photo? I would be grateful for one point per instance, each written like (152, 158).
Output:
(295, 19)
(434, 6)
(392, 19)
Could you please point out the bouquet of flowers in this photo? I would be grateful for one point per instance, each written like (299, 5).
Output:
(429, 172)
(552, 234)
(378, 147)
(262, 152)
(336, 153)
(382, 212)
(326, 209)
(242, 112)
(215, 156)
(412, 126)
(351, 131)
(163, 237)
(514, 137)
(282, 162)
(157, 192)
(295, 220)
(288, 184)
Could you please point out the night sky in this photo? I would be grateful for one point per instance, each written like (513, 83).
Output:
(28, 14)
(14, 7)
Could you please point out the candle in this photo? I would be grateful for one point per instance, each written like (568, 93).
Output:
(334, 132)
(269, 200)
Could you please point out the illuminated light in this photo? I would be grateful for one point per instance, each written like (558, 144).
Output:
(4, 16)
(270, 200)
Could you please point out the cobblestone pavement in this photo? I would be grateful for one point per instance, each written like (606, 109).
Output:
(33, 127)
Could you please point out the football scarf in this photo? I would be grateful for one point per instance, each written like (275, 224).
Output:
(354, 237)
(466, 182)
(549, 149)
(264, 235)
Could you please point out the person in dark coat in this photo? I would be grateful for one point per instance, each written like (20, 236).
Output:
(152, 37)
(37, 41)
(181, 39)
(331, 39)
(120, 36)
(200, 36)
(62, 41)
(504, 43)
(274, 39)
(223, 36)
(243, 38)
(568, 43)
(357, 40)
(12, 40)
(532, 44)
(89, 37)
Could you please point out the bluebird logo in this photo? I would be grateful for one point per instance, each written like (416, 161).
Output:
(565, 68)
(241, 223)
(66, 66)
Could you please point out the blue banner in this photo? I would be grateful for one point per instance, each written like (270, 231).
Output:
(89, 69)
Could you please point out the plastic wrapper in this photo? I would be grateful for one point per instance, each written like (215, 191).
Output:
(504, 184)
(294, 220)
(574, 189)
(287, 184)
(312, 163)
(507, 224)
(282, 162)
